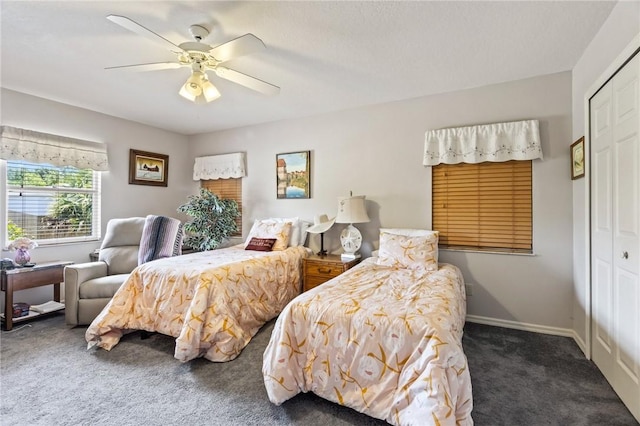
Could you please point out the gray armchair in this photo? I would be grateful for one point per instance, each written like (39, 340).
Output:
(90, 286)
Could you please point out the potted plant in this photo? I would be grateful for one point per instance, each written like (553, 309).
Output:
(213, 220)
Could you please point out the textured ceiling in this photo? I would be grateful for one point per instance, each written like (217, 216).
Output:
(326, 56)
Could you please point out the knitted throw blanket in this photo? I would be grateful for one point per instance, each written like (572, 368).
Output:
(161, 237)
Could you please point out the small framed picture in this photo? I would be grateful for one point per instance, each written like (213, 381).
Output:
(577, 159)
(293, 175)
(148, 168)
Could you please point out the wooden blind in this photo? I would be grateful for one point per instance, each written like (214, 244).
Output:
(483, 206)
(227, 188)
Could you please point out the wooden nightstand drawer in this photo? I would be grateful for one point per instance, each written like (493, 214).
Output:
(328, 270)
(320, 269)
(311, 281)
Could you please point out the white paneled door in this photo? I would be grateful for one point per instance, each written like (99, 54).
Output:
(615, 232)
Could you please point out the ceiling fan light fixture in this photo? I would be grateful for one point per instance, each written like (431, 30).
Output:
(209, 91)
(201, 57)
(194, 83)
(185, 93)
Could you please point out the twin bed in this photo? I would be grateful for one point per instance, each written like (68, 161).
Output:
(384, 338)
(212, 302)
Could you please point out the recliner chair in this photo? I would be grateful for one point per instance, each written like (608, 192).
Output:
(90, 286)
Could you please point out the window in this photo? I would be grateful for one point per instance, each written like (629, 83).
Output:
(227, 188)
(484, 206)
(51, 204)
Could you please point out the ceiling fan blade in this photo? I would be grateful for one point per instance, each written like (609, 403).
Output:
(133, 26)
(152, 66)
(247, 81)
(240, 46)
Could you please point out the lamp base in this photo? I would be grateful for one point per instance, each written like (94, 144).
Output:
(351, 240)
(350, 256)
(322, 251)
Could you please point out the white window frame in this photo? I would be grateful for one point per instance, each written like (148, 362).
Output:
(96, 209)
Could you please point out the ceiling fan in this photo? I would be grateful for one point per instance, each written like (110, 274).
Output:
(201, 57)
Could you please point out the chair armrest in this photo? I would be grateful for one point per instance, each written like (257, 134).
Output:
(74, 275)
(81, 272)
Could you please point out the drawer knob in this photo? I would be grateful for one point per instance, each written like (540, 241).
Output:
(324, 270)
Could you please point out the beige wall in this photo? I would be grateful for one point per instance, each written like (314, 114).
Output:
(377, 151)
(616, 33)
(374, 151)
(119, 199)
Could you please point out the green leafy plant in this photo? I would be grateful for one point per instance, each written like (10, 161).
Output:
(213, 220)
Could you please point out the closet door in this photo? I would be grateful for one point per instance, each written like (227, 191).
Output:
(615, 232)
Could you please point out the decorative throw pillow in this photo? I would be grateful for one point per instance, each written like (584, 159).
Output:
(261, 244)
(411, 252)
(281, 231)
(161, 237)
(296, 231)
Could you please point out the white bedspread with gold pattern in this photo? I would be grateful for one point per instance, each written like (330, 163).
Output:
(213, 302)
(386, 342)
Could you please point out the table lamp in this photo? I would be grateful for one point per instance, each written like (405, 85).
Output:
(351, 210)
(321, 224)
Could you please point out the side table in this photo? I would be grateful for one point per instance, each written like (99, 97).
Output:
(11, 280)
(319, 269)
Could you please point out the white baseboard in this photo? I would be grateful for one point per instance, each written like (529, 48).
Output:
(544, 329)
(581, 344)
(535, 328)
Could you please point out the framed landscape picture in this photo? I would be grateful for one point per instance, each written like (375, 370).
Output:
(577, 159)
(148, 168)
(293, 175)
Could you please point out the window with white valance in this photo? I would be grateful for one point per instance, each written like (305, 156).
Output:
(222, 175)
(482, 185)
(223, 166)
(52, 186)
(518, 140)
(45, 148)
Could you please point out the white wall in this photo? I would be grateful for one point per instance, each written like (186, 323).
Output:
(119, 199)
(377, 151)
(616, 33)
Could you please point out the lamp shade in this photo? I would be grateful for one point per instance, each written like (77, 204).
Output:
(186, 93)
(352, 210)
(194, 83)
(209, 91)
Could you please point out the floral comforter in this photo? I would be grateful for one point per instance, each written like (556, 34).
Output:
(386, 342)
(213, 302)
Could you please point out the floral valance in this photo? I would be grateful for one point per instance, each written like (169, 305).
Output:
(518, 140)
(223, 166)
(37, 147)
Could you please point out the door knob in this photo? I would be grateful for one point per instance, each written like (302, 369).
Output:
(625, 255)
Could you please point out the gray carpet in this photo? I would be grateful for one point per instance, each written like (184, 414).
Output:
(48, 377)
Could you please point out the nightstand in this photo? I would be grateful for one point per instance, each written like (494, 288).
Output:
(319, 269)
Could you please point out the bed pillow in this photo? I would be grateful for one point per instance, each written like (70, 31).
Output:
(417, 252)
(298, 229)
(261, 244)
(304, 225)
(281, 231)
(409, 232)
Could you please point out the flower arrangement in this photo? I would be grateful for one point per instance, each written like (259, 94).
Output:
(22, 243)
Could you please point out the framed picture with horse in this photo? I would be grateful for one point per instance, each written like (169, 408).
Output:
(148, 168)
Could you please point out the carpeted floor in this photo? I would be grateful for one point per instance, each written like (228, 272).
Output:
(48, 377)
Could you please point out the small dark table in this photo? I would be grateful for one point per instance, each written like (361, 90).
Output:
(46, 273)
